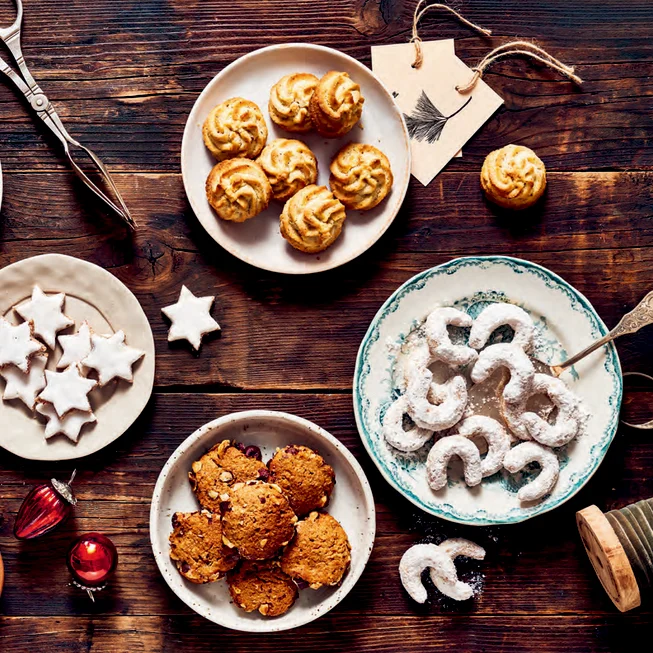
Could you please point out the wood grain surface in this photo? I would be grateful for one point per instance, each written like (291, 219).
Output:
(123, 75)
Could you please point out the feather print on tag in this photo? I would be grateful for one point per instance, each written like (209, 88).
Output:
(427, 121)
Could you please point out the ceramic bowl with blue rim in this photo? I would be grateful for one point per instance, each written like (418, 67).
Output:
(565, 322)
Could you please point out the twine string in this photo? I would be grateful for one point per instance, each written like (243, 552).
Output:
(420, 10)
(522, 48)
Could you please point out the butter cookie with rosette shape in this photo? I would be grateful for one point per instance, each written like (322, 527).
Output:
(289, 165)
(361, 177)
(312, 219)
(235, 128)
(238, 189)
(289, 100)
(513, 177)
(336, 104)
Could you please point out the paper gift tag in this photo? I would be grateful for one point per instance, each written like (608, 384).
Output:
(440, 119)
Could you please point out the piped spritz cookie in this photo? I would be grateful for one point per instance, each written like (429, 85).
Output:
(67, 390)
(235, 128)
(25, 387)
(17, 345)
(289, 165)
(336, 105)
(191, 318)
(289, 100)
(75, 347)
(69, 425)
(45, 312)
(111, 358)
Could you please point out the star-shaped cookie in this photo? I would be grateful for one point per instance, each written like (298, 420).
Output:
(67, 390)
(191, 318)
(46, 314)
(70, 424)
(111, 358)
(76, 347)
(25, 387)
(17, 346)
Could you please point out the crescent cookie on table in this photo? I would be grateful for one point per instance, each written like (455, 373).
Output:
(336, 104)
(289, 100)
(312, 219)
(235, 128)
(361, 176)
(238, 189)
(289, 165)
(513, 177)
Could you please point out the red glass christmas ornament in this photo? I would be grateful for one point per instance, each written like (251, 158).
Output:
(45, 507)
(92, 558)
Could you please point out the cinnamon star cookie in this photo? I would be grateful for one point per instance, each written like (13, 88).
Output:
(17, 345)
(111, 358)
(191, 318)
(46, 314)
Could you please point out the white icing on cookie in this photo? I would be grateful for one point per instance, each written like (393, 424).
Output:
(513, 358)
(418, 558)
(75, 347)
(438, 337)
(455, 547)
(70, 425)
(497, 438)
(527, 452)
(67, 390)
(46, 314)
(17, 346)
(191, 318)
(111, 358)
(442, 451)
(25, 387)
(395, 434)
(496, 315)
(451, 398)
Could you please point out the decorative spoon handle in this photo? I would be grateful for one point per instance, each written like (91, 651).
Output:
(640, 316)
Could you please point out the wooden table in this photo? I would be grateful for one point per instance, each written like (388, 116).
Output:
(124, 75)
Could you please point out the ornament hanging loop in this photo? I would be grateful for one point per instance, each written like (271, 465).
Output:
(524, 49)
(423, 8)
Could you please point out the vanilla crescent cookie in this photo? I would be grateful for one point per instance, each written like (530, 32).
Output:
(111, 358)
(497, 438)
(191, 318)
(289, 165)
(45, 312)
(528, 452)
(75, 347)
(496, 315)
(438, 337)
(450, 398)
(17, 345)
(396, 435)
(529, 425)
(442, 451)
(67, 390)
(25, 386)
(336, 104)
(513, 177)
(289, 100)
(361, 176)
(69, 425)
(238, 189)
(513, 358)
(454, 548)
(312, 219)
(235, 128)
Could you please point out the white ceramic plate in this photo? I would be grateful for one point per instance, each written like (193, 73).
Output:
(94, 295)
(352, 504)
(566, 323)
(258, 241)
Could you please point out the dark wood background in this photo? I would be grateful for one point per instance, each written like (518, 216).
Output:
(124, 75)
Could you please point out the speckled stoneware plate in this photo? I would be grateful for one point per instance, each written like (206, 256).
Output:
(351, 504)
(258, 241)
(94, 295)
(565, 321)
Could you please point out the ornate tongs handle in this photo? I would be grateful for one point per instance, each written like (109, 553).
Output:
(640, 316)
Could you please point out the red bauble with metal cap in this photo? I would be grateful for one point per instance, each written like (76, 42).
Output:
(92, 559)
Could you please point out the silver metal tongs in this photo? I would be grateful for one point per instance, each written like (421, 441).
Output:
(39, 102)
